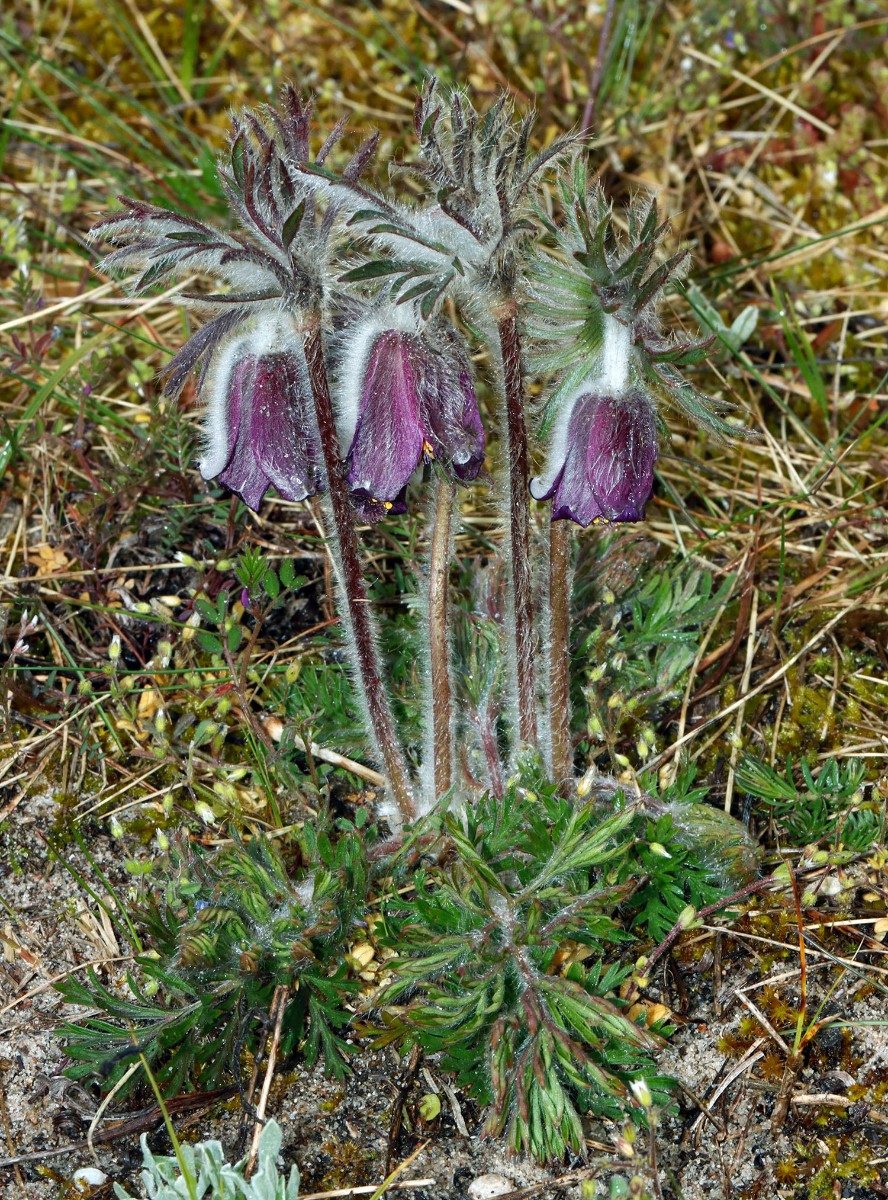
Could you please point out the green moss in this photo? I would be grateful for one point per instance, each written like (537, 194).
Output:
(331, 1104)
(843, 1159)
(351, 1164)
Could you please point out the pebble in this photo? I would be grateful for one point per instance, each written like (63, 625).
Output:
(487, 1186)
(88, 1178)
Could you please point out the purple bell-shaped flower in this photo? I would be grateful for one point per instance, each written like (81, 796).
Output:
(415, 402)
(601, 467)
(260, 425)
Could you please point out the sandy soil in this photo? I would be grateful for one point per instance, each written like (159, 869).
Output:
(338, 1134)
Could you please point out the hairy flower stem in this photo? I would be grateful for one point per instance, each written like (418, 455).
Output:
(559, 656)
(439, 571)
(519, 524)
(352, 580)
(490, 746)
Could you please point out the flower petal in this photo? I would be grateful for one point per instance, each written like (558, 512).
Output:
(608, 469)
(242, 473)
(388, 439)
(374, 510)
(282, 430)
(451, 417)
(270, 431)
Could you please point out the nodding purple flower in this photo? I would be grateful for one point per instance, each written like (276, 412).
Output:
(414, 403)
(260, 423)
(601, 467)
(272, 273)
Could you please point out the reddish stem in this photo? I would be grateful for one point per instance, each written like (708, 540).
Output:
(352, 580)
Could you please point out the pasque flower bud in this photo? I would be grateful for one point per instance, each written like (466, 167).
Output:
(415, 401)
(260, 428)
(602, 469)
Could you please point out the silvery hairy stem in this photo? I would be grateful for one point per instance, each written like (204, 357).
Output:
(559, 658)
(442, 693)
(519, 524)
(352, 581)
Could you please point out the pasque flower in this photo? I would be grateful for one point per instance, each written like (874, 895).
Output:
(602, 455)
(260, 424)
(602, 469)
(464, 239)
(413, 401)
(594, 311)
(253, 376)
